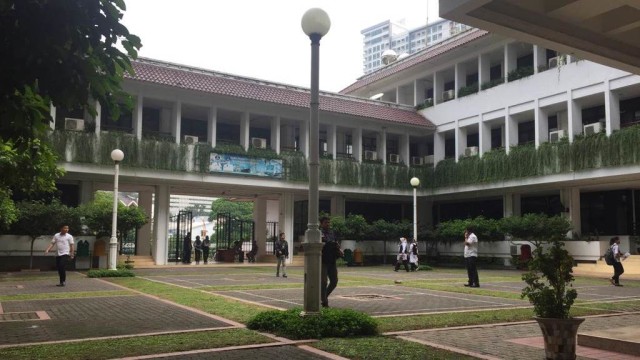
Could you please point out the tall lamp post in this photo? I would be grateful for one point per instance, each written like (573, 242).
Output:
(315, 23)
(116, 155)
(415, 182)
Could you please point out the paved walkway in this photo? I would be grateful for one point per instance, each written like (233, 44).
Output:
(114, 312)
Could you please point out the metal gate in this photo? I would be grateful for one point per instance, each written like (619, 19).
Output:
(179, 226)
(129, 242)
(229, 230)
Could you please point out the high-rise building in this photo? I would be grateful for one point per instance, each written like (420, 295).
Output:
(397, 37)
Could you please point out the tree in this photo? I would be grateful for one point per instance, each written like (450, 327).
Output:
(63, 53)
(536, 228)
(36, 218)
(240, 210)
(98, 215)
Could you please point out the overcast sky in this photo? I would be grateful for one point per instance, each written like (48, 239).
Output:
(263, 39)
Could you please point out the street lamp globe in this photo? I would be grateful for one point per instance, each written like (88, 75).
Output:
(415, 182)
(117, 155)
(315, 21)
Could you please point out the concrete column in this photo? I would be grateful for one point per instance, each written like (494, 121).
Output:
(483, 70)
(304, 138)
(461, 141)
(612, 109)
(405, 152)
(484, 136)
(275, 134)
(382, 145)
(539, 57)
(160, 245)
(260, 221)
(338, 205)
(52, 113)
(541, 125)
(86, 192)
(460, 79)
(438, 147)
(510, 59)
(177, 121)
(212, 126)
(137, 116)
(357, 144)
(438, 88)
(511, 204)
(98, 117)
(511, 131)
(332, 139)
(574, 117)
(285, 220)
(245, 125)
(419, 93)
(570, 199)
(143, 246)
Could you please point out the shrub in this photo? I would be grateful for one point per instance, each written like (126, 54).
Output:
(329, 323)
(97, 273)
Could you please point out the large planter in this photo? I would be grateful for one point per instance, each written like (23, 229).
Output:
(560, 337)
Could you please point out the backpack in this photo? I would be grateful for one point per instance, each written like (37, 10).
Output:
(608, 257)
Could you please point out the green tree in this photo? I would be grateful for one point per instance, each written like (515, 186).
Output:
(536, 228)
(64, 53)
(240, 210)
(98, 216)
(36, 218)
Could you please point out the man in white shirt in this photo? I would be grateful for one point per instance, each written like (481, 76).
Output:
(471, 257)
(618, 269)
(64, 246)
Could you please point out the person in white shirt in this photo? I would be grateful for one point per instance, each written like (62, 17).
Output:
(471, 257)
(63, 241)
(618, 269)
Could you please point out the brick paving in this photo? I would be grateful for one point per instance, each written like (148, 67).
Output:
(287, 352)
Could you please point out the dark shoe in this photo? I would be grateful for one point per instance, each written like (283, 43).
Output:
(325, 305)
(613, 282)
(619, 285)
(284, 276)
(61, 284)
(467, 285)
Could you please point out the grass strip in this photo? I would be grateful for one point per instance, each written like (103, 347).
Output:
(135, 346)
(383, 348)
(65, 295)
(207, 302)
(443, 320)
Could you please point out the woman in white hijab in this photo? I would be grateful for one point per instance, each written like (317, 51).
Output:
(413, 254)
(403, 255)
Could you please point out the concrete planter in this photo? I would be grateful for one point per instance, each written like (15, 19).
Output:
(560, 337)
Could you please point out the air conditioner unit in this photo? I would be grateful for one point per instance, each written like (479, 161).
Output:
(428, 159)
(370, 155)
(190, 140)
(471, 151)
(394, 158)
(555, 136)
(259, 143)
(448, 95)
(556, 61)
(417, 160)
(74, 124)
(594, 128)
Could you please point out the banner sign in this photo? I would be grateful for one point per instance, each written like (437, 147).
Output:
(237, 164)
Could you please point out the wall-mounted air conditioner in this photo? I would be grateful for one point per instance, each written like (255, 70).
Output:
(557, 61)
(394, 158)
(428, 159)
(448, 95)
(259, 143)
(471, 151)
(594, 128)
(370, 155)
(190, 139)
(74, 124)
(417, 160)
(555, 136)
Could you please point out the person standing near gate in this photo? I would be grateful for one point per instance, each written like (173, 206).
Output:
(330, 253)
(63, 241)
(471, 256)
(281, 250)
(198, 249)
(186, 249)
(206, 243)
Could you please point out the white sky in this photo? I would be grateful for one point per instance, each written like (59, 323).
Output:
(263, 39)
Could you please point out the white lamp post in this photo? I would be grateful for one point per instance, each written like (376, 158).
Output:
(315, 23)
(116, 155)
(415, 182)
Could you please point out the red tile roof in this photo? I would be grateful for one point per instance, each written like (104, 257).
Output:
(191, 78)
(415, 59)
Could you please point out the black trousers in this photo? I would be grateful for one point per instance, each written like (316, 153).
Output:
(329, 281)
(404, 263)
(472, 270)
(61, 265)
(205, 254)
(617, 271)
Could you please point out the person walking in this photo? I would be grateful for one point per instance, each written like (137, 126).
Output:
(471, 257)
(403, 255)
(206, 244)
(197, 245)
(330, 253)
(413, 254)
(618, 269)
(251, 255)
(186, 249)
(281, 250)
(63, 241)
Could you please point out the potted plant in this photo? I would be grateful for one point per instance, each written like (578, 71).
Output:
(549, 281)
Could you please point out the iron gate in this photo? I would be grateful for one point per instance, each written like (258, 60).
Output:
(179, 226)
(230, 230)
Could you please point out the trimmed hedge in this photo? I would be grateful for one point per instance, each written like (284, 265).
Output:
(98, 273)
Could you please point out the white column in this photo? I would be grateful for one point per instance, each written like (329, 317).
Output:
(511, 131)
(212, 126)
(357, 144)
(612, 109)
(574, 117)
(483, 70)
(438, 88)
(332, 139)
(511, 204)
(260, 221)
(98, 117)
(244, 130)
(382, 145)
(419, 93)
(137, 117)
(570, 199)
(459, 77)
(338, 205)
(275, 134)
(541, 125)
(86, 192)
(510, 60)
(539, 57)
(438, 147)
(143, 246)
(405, 152)
(177, 121)
(484, 136)
(52, 113)
(285, 220)
(303, 138)
(160, 246)
(461, 140)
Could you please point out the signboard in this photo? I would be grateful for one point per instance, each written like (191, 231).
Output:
(238, 164)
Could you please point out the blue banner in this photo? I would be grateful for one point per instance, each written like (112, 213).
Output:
(238, 164)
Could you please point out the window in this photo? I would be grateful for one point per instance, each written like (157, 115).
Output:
(606, 212)
(526, 132)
